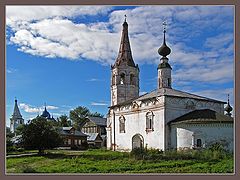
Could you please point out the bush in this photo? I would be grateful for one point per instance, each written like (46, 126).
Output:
(20, 149)
(138, 153)
(11, 148)
(28, 169)
(218, 146)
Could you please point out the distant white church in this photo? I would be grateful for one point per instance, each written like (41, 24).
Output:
(16, 118)
(165, 118)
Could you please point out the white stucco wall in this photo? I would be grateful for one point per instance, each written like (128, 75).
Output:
(186, 135)
(163, 137)
(135, 123)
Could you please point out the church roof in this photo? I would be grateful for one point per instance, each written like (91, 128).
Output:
(168, 92)
(16, 111)
(98, 120)
(202, 116)
(124, 54)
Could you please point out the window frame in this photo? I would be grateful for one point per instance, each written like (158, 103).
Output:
(122, 127)
(149, 121)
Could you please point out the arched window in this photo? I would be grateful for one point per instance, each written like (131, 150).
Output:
(132, 82)
(122, 78)
(149, 121)
(122, 124)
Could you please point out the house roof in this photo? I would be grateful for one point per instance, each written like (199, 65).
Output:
(168, 92)
(98, 120)
(92, 136)
(66, 131)
(202, 116)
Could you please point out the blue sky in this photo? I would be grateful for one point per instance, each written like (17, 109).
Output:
(61, 55)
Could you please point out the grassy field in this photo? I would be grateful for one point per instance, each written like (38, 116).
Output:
(103, 161)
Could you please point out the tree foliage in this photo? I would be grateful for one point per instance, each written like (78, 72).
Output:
(79, 116)
(40, 134)
(63, 121)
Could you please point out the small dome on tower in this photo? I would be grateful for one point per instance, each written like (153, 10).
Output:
(164, 50)
(228, 108)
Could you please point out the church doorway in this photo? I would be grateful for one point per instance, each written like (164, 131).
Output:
(137, 141)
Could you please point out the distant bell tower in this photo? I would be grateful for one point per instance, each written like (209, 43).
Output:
(164, 68)
(16, 118)
(125, 74)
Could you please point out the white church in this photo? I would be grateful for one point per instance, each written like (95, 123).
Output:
(164, 118)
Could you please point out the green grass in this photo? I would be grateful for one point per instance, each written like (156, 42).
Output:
(103, 161)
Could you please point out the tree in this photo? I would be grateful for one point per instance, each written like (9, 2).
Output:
(19, 129)
(40, 134)
(9, 136)
(79, 116)
(63, 121)
(96, 114)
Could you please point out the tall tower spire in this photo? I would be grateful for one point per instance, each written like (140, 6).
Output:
(16, 118)
(125, 74)
(124, 54)
(164, 68)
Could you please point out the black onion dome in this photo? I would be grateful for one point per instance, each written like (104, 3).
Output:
(228, 108)
(164, 50)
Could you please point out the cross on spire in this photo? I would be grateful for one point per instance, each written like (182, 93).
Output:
(125, 20)
(164, 26)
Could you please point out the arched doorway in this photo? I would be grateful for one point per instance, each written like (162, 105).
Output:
(137, 141)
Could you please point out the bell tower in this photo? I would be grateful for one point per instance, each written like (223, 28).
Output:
(16, 118)
(164, 68)
(124, 72)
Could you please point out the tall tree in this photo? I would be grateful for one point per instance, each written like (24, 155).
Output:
(63, 121)
(78, 116)
(96, 114)
(40, 134)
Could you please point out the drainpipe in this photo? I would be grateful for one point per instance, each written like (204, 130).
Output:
(114, 139)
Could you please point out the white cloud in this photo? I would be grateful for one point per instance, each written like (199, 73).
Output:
(29, 13)
(31, 109)
(11, 70)
(51, 107)
(28, 108)
(53, 34)
(99, 104)
(94, 80)
(220, 95)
